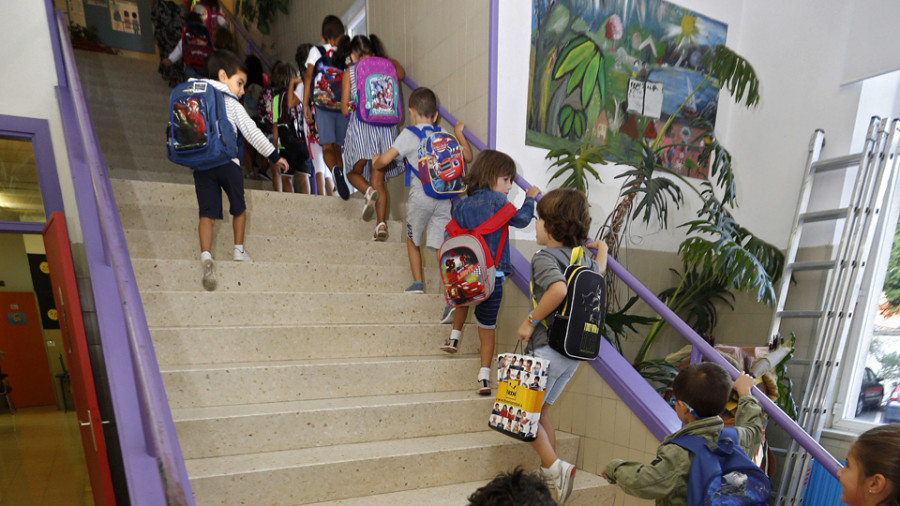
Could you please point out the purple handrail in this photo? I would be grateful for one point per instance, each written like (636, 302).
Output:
(697, 342)
(151, 393)
(251, 46)
(659, 426)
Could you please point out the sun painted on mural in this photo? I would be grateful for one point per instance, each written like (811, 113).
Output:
(613, 72)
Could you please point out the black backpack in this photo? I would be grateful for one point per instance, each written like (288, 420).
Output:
(575, 326)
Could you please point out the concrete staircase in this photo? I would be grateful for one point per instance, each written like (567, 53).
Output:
(307, 376)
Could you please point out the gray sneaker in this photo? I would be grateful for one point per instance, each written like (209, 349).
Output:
(564, 481)
(209, 274)
(447, 315)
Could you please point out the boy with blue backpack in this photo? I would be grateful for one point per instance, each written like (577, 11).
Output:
(703, 461)
(426, 210)
(206, 122)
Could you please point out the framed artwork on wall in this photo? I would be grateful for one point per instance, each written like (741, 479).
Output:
(613, 72)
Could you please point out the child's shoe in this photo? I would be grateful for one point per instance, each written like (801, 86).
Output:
(447, 315)
(416, 287)
(209, 271)
(484, 381)
(451, 345)
(240, 255)
(369, 207)
(343, 190)
(381, 232)
(562, 475)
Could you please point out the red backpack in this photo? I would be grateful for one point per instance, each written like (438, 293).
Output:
(468, 269)
(196, 45)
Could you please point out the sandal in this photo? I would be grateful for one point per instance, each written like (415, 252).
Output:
(381, 232)
(369, 207)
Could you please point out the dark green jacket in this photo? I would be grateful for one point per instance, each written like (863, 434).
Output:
(665, 479)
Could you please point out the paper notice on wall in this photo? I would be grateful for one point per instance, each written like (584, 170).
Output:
(645, 98)
(124, 16)
(635, 96)
(653, 99)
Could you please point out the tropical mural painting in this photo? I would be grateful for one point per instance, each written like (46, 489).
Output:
(611, 72)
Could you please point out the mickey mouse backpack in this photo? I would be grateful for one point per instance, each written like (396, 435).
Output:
(378, 91)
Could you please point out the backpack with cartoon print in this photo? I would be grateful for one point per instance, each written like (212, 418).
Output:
(199, 134)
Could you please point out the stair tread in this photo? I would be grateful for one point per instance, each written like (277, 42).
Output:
(287, 407)
(341, 361)
(312, 457)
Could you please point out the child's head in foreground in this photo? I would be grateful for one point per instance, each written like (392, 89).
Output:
(701, 390)
(227, 67)
(516, 488)
(564, 215)
(493, 170)
(872, 472)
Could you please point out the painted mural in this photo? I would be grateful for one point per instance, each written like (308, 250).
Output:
(612, 72)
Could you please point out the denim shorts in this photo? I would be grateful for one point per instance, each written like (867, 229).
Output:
(486, 311)
(331, 125)
(209, 185)
(559, 373)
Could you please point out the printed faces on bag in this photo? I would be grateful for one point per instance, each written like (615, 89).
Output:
(521, 381)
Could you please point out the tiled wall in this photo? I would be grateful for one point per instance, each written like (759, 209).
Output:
(303, 24)
(442, 45)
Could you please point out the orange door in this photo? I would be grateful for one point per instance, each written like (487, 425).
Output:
(71, 324)
(22, 351)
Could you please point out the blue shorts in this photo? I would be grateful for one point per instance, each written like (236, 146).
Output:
(486, 311)
(209, 185)
(331, 125)
(559, 373)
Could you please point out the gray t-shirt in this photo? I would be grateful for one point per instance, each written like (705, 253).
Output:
(407, 144)
(547, 269)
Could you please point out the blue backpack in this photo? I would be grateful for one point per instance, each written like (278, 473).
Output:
(722, 474)
(440, 166)
(199, 133)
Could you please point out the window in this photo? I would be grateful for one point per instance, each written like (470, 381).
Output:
(20, 193)
(870, 373)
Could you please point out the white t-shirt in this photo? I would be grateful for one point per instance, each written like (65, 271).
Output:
(315, 54)
(407, 145)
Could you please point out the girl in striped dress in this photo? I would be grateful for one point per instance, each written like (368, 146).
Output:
(364, 140)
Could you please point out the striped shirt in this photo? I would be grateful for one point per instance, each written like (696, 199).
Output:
(240, 120)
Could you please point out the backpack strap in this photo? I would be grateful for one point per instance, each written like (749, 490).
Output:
(421, 133)
(495, 223)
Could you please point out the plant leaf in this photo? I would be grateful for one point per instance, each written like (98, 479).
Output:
(735, 73)
(574, 54)
(590, 79)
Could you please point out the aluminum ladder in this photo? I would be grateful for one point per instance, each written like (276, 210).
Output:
(875, 166)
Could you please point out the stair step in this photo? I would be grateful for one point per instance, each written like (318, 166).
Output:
(362, 469)
(180, 177)
(278, 381)
(589, 490)
(141, 193)
(181, 346)
(163, 245)
(201, 309)
(156, 275)
(270, 427)
(277, 222)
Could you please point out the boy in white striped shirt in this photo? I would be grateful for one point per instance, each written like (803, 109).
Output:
(226, 72)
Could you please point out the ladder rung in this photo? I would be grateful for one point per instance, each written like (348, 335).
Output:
(841, 162)
(829, 214)
(819, 265)
(800, 314)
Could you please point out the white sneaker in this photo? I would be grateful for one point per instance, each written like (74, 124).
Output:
(209, 274)
(484, 381)
(563, 481)
(241, 256)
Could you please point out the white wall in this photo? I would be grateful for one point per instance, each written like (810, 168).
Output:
(797, 49)
(28, 87)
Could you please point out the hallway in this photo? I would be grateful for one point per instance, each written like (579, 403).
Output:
(41, 461)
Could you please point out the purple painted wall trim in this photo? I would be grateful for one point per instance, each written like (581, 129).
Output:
(450, 118)
(37, 131)
(155, 474)
(492, 73)
(251, 46)
(21, 227)
(55, 45)
(697, 342)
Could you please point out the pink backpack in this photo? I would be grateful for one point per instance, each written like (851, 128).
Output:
(378, 92)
